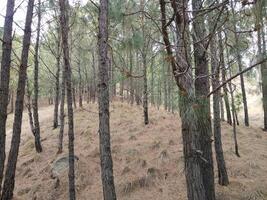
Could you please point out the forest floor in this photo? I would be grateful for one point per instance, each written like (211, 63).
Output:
(148, 160)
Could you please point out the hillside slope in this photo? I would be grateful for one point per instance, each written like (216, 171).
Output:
(148, 162)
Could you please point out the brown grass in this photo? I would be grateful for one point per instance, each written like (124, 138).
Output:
(148, 160)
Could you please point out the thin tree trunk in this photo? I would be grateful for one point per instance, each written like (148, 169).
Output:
(169, 88)
(9, 181)
(165, 86)
(262, 54)
(94, 78)
(57, 91)
(121, 89)
(234, 113)
(29, 107)
(239, 62)
(222, 109)
(131, 78)
(215, 69)
(12, 102)
(62, 113)
(223, 72)
(145, 98)
(159, 90)
(234, 119)
(38, 145)
(80, 86)
(103, 101)
(74, 96)
(4, 82)
(64, 21)
(152, 82)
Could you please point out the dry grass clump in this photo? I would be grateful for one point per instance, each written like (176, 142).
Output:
(148, 160)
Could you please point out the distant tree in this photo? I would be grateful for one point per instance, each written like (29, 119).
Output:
(239, 62)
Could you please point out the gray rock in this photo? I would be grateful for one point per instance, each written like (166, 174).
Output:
(61, 165)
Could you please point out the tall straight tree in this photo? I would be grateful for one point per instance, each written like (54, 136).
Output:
(215, 71)
(36, 132)
(9, 182)
(239, 62)
(64, 23)
(57, 90)
(62, 113)
(202, 88)
(190, 135)
(144, 62)
(4, 81)
(223, 72)
(109, 192)
(260, 5)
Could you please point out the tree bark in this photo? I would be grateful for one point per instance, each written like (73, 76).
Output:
(152, 82)
(240, 67)
(62, 112)
(80, 85)
(9, 181)
(202, 89)
(57, 90)
(215, 69)
(262, 54)
(223, 72)
(145, 98)
(73, 92)
(234, 113)
(103, 103)
(36, 132)
(191, 137)
(4, 81)
(64, 21)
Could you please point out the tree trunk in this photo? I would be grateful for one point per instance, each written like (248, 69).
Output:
(202, 89)
(55, 123)
(240, 67)
(169, 88)
(29, 107)
(215, 69)
(225, 91)
(62, 112)
(11, 102)
(234, 113)
(262, 54)
(165, 86)
(221, 108)
(38, 145)
(94, 79)
(80, 86)
(4, 81)
(152, 82)
(103, 101)
(74, 96)
(131, 78)
(145, 98)
(191, 138)
(64, 21)
(9, 182)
